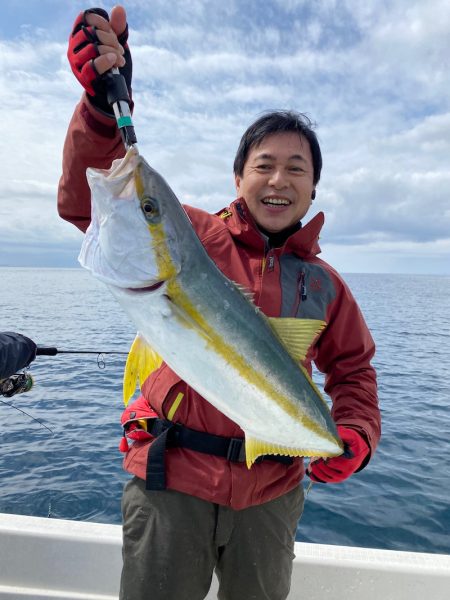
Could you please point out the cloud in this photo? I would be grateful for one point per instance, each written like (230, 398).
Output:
(373, 75)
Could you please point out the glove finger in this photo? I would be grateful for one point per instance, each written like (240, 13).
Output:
(313, 476)
(97, 20)
(80, 39)
(101, 12)
(91, 73)
(90, 34)
(327, 478)
(79, 22)
(84, 56)
(326, 472)
(87, 76)
(335, 479)
(313, 470)
(89, 42)
(336, 465)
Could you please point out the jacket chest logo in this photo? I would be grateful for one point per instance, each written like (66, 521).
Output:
(315, 284)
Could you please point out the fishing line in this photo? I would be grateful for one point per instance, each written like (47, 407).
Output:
(308, 488)
(28, 415)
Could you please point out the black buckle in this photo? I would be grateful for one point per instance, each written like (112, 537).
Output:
(236, 450)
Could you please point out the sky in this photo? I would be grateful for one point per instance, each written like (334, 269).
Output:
(372, 75)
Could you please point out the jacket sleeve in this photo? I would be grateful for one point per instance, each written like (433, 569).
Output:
(16, 352)
(343, 353)
(92, 140)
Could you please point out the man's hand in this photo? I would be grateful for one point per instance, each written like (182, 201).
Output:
(98, 43)
(335, 470)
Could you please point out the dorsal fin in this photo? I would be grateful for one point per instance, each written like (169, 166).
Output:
(297, 334)
(142, 360)
(245, 291)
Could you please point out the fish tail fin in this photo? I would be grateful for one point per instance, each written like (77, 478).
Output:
(142, 360)
(255, 448)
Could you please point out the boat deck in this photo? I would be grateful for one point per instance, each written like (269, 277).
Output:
(71, 560)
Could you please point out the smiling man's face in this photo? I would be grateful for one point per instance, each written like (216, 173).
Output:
(277, 181)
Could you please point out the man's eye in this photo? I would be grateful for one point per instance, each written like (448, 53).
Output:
(263, 167)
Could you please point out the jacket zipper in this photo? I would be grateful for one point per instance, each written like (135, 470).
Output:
(301, 294)
(267, 262)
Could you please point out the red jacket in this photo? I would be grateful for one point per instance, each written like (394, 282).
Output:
(287, 281)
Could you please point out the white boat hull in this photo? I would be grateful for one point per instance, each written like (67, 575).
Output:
(72, 560)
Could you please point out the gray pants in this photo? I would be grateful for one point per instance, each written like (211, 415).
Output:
(172, 542)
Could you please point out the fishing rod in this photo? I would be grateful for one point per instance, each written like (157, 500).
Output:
(118, 97)
(52, 351)
(20, 383)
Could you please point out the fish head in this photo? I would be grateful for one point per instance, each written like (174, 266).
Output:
(129, 243)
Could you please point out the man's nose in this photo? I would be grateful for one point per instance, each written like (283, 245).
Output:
(278, 179)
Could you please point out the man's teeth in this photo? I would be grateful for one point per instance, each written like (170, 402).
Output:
(277, 201)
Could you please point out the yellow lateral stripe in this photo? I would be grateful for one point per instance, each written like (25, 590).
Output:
(181, 299)
(175, 405)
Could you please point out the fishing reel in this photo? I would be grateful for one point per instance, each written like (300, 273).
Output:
(16, 384)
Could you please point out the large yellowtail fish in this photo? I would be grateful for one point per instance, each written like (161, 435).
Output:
(142, 245)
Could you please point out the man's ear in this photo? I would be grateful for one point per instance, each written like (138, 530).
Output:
(237, 182)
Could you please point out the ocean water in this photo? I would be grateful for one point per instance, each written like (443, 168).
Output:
(65, 462)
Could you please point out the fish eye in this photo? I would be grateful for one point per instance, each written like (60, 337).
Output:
(150, 207)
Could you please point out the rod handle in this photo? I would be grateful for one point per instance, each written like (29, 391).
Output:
(46, 351)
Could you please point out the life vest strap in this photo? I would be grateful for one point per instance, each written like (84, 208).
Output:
(174, 435)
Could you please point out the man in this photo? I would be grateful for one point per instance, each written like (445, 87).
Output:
(215, 513)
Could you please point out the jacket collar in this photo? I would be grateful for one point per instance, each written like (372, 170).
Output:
(243, 228)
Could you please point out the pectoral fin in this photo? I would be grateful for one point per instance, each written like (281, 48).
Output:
(297, 334)
(141, 362)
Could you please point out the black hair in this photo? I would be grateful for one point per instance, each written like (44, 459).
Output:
(279, 121)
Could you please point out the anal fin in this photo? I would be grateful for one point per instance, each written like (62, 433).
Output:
(255, 448)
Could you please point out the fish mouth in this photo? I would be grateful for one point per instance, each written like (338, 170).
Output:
(147, 288)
